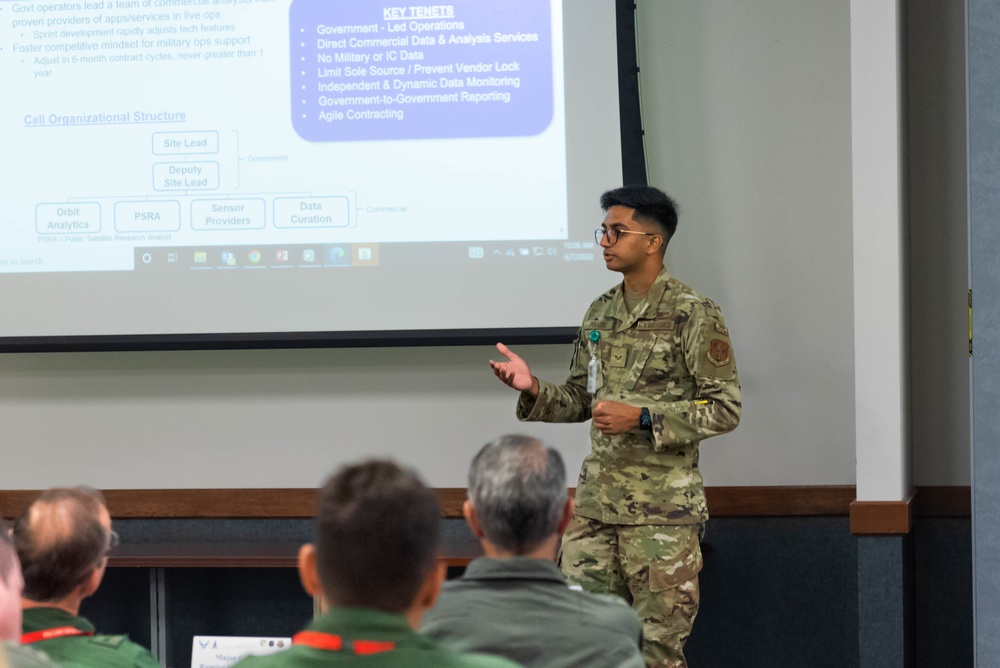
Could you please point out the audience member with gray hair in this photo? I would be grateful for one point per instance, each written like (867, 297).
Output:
(514, 602)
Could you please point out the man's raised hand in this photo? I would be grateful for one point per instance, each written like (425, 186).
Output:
(514, 372)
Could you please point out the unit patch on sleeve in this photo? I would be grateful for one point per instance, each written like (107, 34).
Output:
(718, 352)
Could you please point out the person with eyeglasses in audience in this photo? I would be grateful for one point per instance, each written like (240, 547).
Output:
(63, 539)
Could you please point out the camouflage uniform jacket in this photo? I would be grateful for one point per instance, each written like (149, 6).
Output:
(674, 357)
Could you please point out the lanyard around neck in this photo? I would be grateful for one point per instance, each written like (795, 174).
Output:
(329, 642)
(49, 634)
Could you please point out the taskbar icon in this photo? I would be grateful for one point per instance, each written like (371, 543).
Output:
(258, 257)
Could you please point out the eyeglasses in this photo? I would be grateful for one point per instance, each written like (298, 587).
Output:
(611, 234)
(113, 541)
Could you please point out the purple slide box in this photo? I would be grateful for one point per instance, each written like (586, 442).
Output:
(363, 71)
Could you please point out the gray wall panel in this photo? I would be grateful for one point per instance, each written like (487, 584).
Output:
(939, 244)
(984, 210)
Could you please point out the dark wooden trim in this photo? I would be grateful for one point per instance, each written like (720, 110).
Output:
(205, 555)
(779, 501)
(451, 500)
(12, 501)
(866, 517)
(191, 503)
(288, 503)
(883, 518)
(774, 501)
(301, 502)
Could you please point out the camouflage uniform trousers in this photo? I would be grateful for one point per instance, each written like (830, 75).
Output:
(654, 567)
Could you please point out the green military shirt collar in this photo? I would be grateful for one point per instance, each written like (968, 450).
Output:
(620, 312)
(38, 619)
(367, 624)
(513, 568)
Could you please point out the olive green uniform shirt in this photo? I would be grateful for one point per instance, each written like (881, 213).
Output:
(15, 655)
(522, 609)
(353, 624)
(96, 651)
(672, 356)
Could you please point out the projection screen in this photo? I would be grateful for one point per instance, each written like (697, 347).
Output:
(226, 170)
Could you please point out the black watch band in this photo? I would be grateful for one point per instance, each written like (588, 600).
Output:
(645, 421)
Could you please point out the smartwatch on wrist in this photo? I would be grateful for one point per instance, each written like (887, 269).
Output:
(645, 421)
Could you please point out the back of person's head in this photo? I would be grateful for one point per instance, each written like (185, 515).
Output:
(10, 587)
(517, 487)
(378, 529)
(61, 538)
(652, 207)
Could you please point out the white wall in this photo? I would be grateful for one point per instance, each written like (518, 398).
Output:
(747, 111)
(256, 418)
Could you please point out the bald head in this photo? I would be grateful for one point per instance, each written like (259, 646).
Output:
(61, 538)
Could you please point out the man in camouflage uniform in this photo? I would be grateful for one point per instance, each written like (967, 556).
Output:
(62, 540)
(653, 370)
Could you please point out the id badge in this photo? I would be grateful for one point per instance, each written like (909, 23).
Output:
(594, 366)
(593, 375)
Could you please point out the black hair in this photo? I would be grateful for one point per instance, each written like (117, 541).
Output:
(378, 529)
(652, 206)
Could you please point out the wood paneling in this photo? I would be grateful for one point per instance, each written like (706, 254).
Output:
(779, 501)
(783, 501)
(882, 518)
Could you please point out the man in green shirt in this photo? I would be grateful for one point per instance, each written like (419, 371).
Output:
(514, 602)
(62, 540)
(653, 370)
(375, 571)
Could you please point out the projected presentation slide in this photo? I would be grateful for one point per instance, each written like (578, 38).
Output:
(196, 134)
(176, 167)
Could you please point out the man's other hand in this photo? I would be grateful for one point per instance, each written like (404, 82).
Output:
(612, 418)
